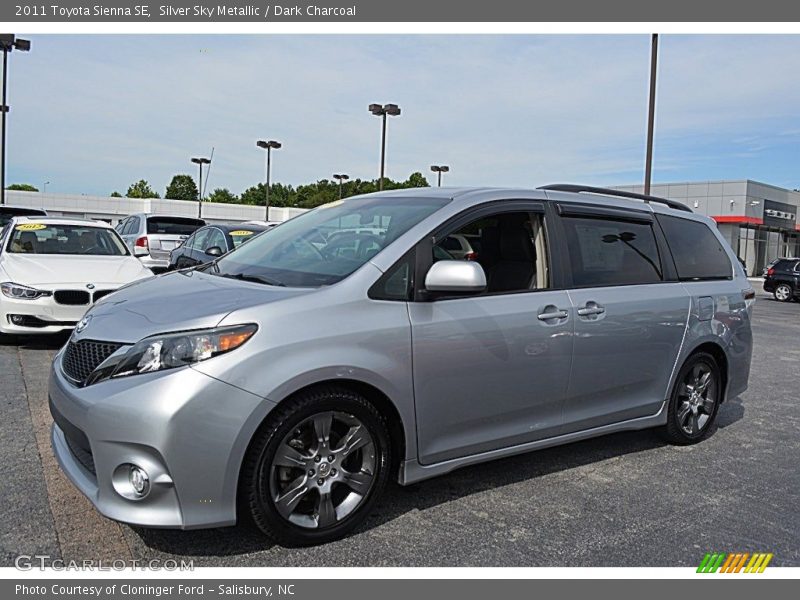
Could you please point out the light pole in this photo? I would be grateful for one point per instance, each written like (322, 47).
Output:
(340, 177)
(44, 187)
(200, 161)
(382, 111)
(439, 169)
(9, 42)
(268, 146)
(651, 114)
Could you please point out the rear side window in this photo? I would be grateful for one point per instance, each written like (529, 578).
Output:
(605, 252)
(172, 226)
(697, 252)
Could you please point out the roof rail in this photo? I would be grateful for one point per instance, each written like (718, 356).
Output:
(568, 187)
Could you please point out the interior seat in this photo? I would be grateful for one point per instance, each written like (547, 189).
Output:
(516, 266)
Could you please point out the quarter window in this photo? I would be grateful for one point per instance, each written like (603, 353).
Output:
(697, 252)
(605, 252)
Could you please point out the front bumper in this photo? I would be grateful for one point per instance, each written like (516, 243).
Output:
(46, 315)
(189, 432)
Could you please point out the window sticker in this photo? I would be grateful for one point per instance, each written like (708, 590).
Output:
(30, 227)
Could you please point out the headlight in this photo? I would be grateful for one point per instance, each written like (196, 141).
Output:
(22, 292)
(172, 350)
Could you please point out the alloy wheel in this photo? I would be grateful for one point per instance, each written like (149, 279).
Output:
(323, 470)
(783, 292)
(697, 399)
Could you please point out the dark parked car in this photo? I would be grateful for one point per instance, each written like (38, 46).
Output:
(783, 279)
(9, 212)
(211, 241)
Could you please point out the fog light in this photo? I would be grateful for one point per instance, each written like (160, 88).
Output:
(17, 319)
(139, 480)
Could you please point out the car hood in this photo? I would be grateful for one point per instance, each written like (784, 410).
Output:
(72, 270)
(175, 302)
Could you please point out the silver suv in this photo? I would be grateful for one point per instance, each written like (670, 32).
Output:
(151, 238)
(291, 378)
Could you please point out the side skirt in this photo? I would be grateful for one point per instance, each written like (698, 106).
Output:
(411, 471)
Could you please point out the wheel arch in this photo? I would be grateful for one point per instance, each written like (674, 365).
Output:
(716, 350)
(374, 395)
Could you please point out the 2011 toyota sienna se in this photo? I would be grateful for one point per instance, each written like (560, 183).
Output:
(291, 378)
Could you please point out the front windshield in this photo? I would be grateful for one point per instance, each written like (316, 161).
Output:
(325, 245)
(51, 238)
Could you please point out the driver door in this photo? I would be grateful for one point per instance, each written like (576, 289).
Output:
(491, 370)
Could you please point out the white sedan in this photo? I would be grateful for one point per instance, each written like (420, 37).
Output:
(53, 269)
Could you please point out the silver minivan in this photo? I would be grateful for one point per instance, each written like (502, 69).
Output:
(291, 378)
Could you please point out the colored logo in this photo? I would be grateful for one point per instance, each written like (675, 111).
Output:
(735, 562)
(30, 227)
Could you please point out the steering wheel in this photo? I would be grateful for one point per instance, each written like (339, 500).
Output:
(313, 247)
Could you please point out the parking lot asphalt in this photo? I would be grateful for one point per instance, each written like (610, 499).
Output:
(622, 500)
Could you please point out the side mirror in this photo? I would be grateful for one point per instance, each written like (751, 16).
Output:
(214, 251)
(455, 277)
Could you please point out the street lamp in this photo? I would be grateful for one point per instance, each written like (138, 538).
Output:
(382, 111)
(44, 187)
(200, 161)
(268, 146)
(651, 114)
(340, 177)
(439, 169)
(9, 42)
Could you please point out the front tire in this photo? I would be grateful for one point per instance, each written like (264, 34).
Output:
(316, 467)
(695, 401)
(783, 293)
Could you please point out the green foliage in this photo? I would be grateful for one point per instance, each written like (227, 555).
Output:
(222, 195)
(323, 191)
(116, 194)
(22, 187)
(182, 187)
(141, 189)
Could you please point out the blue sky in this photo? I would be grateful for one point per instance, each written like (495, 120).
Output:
(93, 113)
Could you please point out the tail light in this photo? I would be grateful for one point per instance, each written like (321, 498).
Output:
(471, 256)
(141, 242)
(770, 272)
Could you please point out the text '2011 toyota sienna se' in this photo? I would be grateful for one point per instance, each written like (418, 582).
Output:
(292, 377)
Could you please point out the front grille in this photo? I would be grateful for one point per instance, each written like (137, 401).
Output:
(76, 439)
(83, 357)
(100, 294)
(32, 321)
(82, 456)
(73, 297)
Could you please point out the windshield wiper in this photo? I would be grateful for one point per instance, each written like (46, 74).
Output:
(253, 279)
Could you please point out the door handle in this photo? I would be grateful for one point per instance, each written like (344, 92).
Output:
(552, 314)
(591, 308)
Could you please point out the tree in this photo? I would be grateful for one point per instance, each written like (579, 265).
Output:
(141, 189)
(279, 195)
(222, 195)
(182, 187)
(22, 187)
(116, 194)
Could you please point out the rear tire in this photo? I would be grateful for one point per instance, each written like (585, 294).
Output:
(783, 293)
(695, 401)
(316, 467)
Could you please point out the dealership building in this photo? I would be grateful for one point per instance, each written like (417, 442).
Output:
(759, 220)
(113, 210)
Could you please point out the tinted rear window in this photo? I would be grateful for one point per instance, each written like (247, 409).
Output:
(6, 213)
(173, 225)
(606, 252)
(697, 252)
